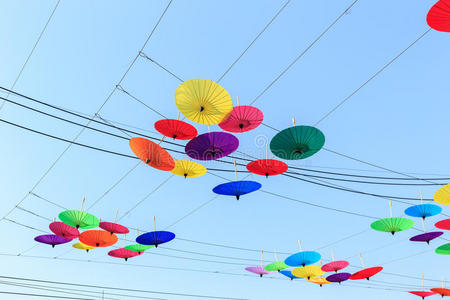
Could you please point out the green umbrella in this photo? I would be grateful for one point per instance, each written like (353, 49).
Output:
(79, 219)
(444, 249)
(392, 225)
(278, 265)
(297, 142)
(138, 247)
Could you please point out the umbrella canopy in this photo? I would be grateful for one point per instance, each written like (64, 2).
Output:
(392, 225)
(79, 219)
(138, 247)
(338, 277)
(422, 294)
(187, 168)
(444, 249)
(243, 118)
(302, 258)
(444, 224)
(114, 228)
(98, 238)
(259, 270)
(155, 238)
(335, 266)
(267, 167)
(123, 253)
(441, 291)
(366, 273)
(211, 145)
(176, 129)
(438, 17)
(308, 272)
(297, 142)
(82, 246)
(276, 266)
(51, 239)
(442, 195)
(64, 230)
(423, 210)
(318, 280)
(288, 274)
(203, 101)
(152, 154)
(237, 188)
(426, 237)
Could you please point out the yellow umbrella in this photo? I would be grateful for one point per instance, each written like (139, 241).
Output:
(442, 195)
(307, 272)
(82, 246)
(203, 101)
(188, 168)
(318, 280)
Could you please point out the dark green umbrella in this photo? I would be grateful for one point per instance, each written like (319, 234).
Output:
(444, 249)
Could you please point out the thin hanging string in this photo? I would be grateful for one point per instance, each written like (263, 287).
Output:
(162, 139)
(332, 255)
(390, 208)
(293, 120)
(423, 225)
(115, 218)
(209, 129)
(262, 253)
(82, 203)
(362, 261)
(178, 116)
(125, 240)
(300, 245)
(267, 151)
(54, 219)
(137, 232)
(154, 222)
(421, 199)
(320, 263)
(235, 171)
(422, 283)
(237, 100)
(275, 254)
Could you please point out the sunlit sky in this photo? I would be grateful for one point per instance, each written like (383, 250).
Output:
(399, 121)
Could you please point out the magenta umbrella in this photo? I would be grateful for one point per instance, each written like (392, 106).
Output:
(51, 239)
(212, 145)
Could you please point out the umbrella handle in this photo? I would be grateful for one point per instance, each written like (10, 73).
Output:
(154, 222)
(300, 245)
(293, 121)
(115, 218)
(237, 99)
(390, 208)
(82, 203)
(362, 261)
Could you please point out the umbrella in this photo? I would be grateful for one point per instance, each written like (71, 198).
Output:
(260, 270)
(243, 118)
(444, 224)
(203, 101)
(51, 239)
(442, 195)
(302, 258)
(155, 237)
(123, 253)
(423, 294)
(277, 265)
(444, 249)
(426, 236)
(212, 145)
(297, 142)
(441, 291)
(318, 280)
(335, 265)
(338, 277)
(152, 154)
(438, 17)
(113, 227)
(267, 167)
(365, 273)
(138, 247)
(188, 168)
(391, 224)
(64, 230)
(98, 238)
(79, 218)
(176, 129)
(308, 272)
(82, 246)
(423, 210)
(288, 274)
(237, 188)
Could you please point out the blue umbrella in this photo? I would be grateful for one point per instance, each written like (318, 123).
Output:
(423, 210)
(155, 238)
(302, 258)
(237, 188)
(288, 273)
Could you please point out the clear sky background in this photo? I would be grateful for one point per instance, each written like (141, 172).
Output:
(399, 121)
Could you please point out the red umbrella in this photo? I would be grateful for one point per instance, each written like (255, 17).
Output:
(243, 118)
(176, 129)
(422, 294)
(123, 253)
(366, 273)
(267, 167)
(444, 224)
(441, 291)
(64, 230)
(152, 154)
(438, 17)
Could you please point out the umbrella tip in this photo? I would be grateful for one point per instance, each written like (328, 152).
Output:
(147, 161)
(267, 175)
(77, 226)
(320, 285)
(156, 245)
(126, 258)
(53, 246)
(237, 197)
(392, 232)
(174, 136)
(87, 250)
(185, 175)
(260, 275)
(97, 244)
(202, 108)
(428, 242)
(241, 125)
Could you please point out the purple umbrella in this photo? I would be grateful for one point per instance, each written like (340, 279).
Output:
(338, 277)
(210, 146)
(259, 270)
(51, 239)
(426, 237)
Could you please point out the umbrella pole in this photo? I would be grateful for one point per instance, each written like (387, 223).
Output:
(423, 225)
(362, 261)
(235, 171)
(262, 253)
(300, 245)
(267, 151)
(275, 254)
(422, 283)
(421, 199)
(178, 116)
(293, 121)
(115, 218)
(162, 139)
(237, 99)
(390, 208)
(82, 203)
(154, 222)
(332, 255)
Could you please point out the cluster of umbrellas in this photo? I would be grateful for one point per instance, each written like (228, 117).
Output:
(443, 291)
(68, 229)
(206, 102)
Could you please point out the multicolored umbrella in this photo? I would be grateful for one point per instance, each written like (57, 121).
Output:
(64, 230)
(338, 277)
(297, 142)
(260, 270)
(438, 17)
(138, 247)
(51, 239)
(302, 258)
(288, 274)
(308, 272)
(237, 188)
(278, 265)
(423, 210)
(318, 280)
(79, 218)
(82, 246)
(155, 237)
(123, 253)
(267, 167)
(203, 101)
(98, 238)
(442, 195)
(443, 250)
(176, 129)
(212, 145)
(152, 154)
(188, 168)
(391, 224)
(243, 118)
(444, 224)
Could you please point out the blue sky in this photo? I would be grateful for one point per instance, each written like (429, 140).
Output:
(399, 121)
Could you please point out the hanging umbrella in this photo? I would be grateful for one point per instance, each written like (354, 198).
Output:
(366, 273)
(438, 17)
(152, 154)
(155, 237)
(203, 101)
(308, 272)
(278, 265)
(243, 118)
(297, 142)
(113, 227)
(188, 168)
(79, 219)
(64, 230)
(422, 294)
(98, 238)
(318, 280)
(338, 277)
(176, 129)
(267, 167)
(302, 258)
(237, 188)
(82, 246)
(211, 145)
(442, 195)
(335, 266)
(444, 224)
(426, 237)
(123, 253)
(443, 250)
(51, 239)
(138, 247)
(391, 224)
(423, 210)
(288, 274)
(441, 291)
(260, 270)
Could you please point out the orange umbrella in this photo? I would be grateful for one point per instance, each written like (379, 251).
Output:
(98, 238)
(152, 154)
